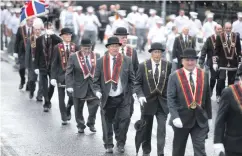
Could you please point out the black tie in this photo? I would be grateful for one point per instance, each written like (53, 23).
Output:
(228, 40)
(156, 75)
(114, 85)
(186, 41)
(88, 64)
(67, 49)
(29, 32)
(122, 50)
(192, 83)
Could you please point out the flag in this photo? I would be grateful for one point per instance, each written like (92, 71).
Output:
(33, 8)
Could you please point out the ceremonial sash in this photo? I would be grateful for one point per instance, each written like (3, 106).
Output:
(116, 70)
(63, 55)
(25, 37)
(33, 46)
(229, 50)
(47, 52)
(195, 99)
(237, 92)
(129, 52)
(213, 40)
(182, 43)
(82, 63)
(153, 86)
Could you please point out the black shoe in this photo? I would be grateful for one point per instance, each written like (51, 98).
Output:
(39, 99)
(161, 155)
(68, 117)
(21, 86)
(64, 122)
(80, 130)
(121, 149)
(46, 109)
(109, 150)
(31, 95)
(92, 129)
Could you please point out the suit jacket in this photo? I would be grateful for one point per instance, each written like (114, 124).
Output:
(177, 101)
(145, 86)
(179, 46)
(132, 53)
(228, 127)
(235, 52)
(75, 77)
(59, 62)
(126, 75)
(43, 57)
(208, 50)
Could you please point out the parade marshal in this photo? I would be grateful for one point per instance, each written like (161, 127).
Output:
(189, 103)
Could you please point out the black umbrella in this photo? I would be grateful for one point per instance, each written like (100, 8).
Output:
(140, 131)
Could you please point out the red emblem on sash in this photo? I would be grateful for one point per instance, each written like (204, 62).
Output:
(116, 71)
(196, 99)
(82, 63)
(63, 55)
(237, 92)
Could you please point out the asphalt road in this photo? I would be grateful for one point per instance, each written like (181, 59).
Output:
(27, 131)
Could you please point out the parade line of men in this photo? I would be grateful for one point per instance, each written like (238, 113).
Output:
(113, 82)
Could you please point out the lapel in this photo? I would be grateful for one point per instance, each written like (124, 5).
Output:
(213, 40)
(237, 93)
(182, 43)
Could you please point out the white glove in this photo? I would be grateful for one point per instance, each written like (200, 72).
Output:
(142, 100)
(135, 97)
(36, 71)
(177, 123)
(175, 60)
(99, 95)
(53, 82)
(15, 55)
(70, 90)
(218, 148)
(215, 67)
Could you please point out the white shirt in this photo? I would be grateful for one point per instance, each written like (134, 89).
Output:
(152, 21)
(119, 87)
(194, 76)
(184, 37)
(120, 23)
(65, 46)
(181, 21)
(14, 24)
(169, 26)
(208, 28)
(237, 27)
(157, 34)
(91, 23)
(87, 58)
(154, 67)
(170, 41)
(132, 17)
(28, 28)
(194, 27)
(141, 21)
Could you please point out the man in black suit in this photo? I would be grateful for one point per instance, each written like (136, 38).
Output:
(209, 50)
(189, 103)
(44, 53)
(79, 81)
(182, 42)
(61, 54)
(23, 38)
(151, 87)
(228, 128)
(114, 77)
(227, 56)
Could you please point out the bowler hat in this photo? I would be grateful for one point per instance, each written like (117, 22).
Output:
(65, 31)
(113, 40)
(121, 31)
(239, 72)
(189, 53)
(157, 46)
(86, 42)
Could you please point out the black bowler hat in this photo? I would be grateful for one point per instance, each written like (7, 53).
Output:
(65, 31)
(157, 46)
(121, 31)
(86, 42)
(113, 40)
(189, 53)
(239, 72)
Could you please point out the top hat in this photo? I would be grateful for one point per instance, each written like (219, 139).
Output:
(65, 31)
(113, 40)
(189, 53)
(121, 31)
(239, 72)
(86, 42)
(157, 46)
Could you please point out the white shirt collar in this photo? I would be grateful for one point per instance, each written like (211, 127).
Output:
(188, 72)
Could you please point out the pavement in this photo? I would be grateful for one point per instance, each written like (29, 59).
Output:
(27, 131)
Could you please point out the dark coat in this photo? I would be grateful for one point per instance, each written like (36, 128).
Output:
(179, 46)
(228, 127)
(145, 86)
(42, 58)
(75, 77)
(178, 107)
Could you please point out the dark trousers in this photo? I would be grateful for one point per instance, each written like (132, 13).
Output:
(142, 39)
(40, 90)
(198, 136)
(32, 78)
(228, 153)
(62, 105)
(213, 79)
(222, 77)
(101, 35)
(92, 106)
(48, 89)
(115, 112)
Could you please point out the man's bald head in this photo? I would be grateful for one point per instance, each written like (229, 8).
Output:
(218, 29)
(227, 27)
